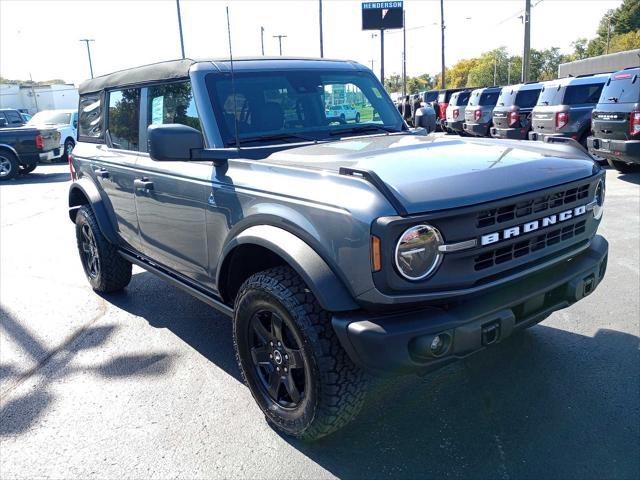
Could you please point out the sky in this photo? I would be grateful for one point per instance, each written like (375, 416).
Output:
(41, 38)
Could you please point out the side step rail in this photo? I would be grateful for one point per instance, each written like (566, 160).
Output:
(174, 280)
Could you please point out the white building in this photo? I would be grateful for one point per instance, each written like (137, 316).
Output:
(38, 97)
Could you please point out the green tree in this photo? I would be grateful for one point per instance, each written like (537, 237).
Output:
(626, 41)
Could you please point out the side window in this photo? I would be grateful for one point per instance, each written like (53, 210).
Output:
(580, 94)
(172, 103)
(123, 122)
(527, 98)
(13, 118)
(90, 126)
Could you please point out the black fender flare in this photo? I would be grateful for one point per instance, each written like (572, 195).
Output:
(328, 289)
(85, 188)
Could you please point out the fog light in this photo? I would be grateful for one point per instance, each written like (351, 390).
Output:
(439, 345)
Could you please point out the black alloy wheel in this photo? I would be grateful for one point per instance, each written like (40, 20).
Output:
(277, 359)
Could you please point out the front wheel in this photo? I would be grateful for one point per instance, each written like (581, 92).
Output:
(358, 117)
(105, 269)
(623, 167)
(27, 169)
(290, 358)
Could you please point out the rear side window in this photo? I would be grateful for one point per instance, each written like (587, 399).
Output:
(622, 88)
(124, 115)
(90, 125)
(527, 98)
(581, 94)
(172, 103)
(489, 98)
(13, 118)
(461, 98)
(430, 96)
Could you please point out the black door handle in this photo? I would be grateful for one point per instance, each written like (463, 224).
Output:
(101, 172)
(142, 184)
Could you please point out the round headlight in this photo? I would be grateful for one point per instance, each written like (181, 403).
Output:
(417, 254)
(599, 199)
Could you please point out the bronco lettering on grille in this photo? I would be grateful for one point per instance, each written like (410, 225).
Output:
(532, 226)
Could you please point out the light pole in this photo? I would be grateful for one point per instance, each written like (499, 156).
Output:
(608, 32)
(509, 72)
(444, 80)
(262, 39)
(404, 55)
(527, 41)
(87, 40)
(321, 43)
(280, 37)
(180, 27)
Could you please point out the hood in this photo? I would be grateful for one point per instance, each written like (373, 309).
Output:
(429, 173)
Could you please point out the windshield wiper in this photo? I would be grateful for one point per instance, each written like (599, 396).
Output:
(278, 136)
(364, 128)
(615, 99)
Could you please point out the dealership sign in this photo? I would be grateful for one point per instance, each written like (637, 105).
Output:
(381, 15)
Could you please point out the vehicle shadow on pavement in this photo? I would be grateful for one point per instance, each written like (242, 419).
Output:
(20, 413)
(197, 324)
(38, 176)
(631, 178)
(546, 404)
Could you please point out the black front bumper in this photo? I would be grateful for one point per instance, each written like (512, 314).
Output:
(477, 129)
(399, 343)
(509, 133)
(624, 150)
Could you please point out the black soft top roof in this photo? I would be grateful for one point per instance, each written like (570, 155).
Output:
(179, 69)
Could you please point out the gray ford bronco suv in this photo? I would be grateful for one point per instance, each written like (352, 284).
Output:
(338, 249)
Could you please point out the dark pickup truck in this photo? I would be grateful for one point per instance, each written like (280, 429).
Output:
(22, 147)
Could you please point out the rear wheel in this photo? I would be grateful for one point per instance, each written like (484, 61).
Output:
(358, 117)
(623, 167)
(290, 358)
(26, 169)
(68, 148)
(105, 269)
(8, 165)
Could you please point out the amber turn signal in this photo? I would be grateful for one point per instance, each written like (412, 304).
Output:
(376, 264)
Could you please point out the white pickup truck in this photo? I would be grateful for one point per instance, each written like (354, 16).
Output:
(65, 121)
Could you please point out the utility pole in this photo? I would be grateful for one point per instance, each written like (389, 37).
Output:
(608, 32)
(371, 64)
(33, 92)
(321, 42)
(280, 37)
(262, 39)
(527, 41)
(180, 27)
(382, 57)
(87, 40)
(404, 55)
(509, 72)
(495, 68)
(444, 80)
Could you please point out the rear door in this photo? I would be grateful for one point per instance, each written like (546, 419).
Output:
(620, 96)
(171, 197)
(113, 166)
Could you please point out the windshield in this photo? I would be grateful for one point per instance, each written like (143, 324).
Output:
(300, 104)
(50, 118)
(622, 88)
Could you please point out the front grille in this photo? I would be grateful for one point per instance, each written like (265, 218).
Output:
(526, 247)
(495, 216)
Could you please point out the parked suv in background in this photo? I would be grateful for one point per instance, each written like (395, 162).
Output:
(336, 249)
(342, 113)
(564, 108)
(477, 115)
(65, 121)
(615, 122)
(455, 111)
(512, 113)
(444, 96)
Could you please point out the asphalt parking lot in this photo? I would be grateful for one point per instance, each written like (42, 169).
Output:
(144, 384)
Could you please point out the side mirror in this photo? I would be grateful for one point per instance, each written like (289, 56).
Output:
(3, 122)
(173, 142)
(75, 124)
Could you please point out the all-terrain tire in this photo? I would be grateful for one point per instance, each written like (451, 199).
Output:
(24, 170)
(107, 271)
(623, 167)
(335, 387)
